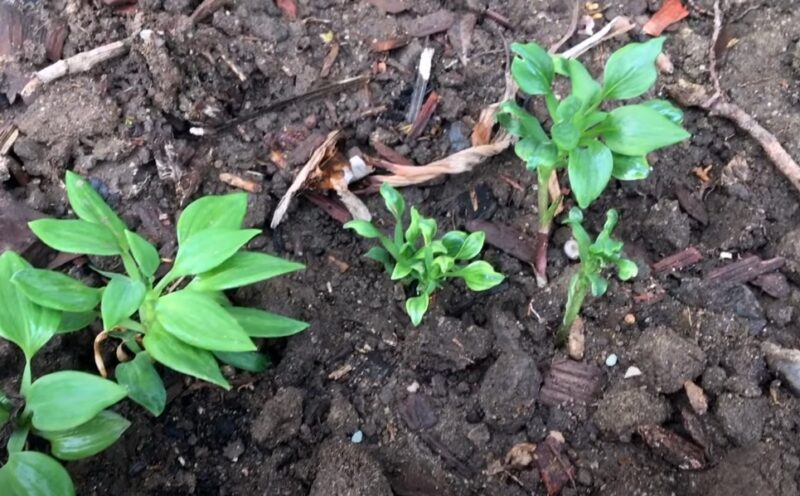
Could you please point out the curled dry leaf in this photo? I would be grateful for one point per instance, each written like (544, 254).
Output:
(671, 11)
(676, 450)
(555, 468)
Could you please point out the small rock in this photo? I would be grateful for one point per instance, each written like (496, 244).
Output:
(611, 360)
(667, 359)
(789, 249)
(620, 412)
(632, 372)
(347, 469)
(785, 363)
(342, 417)
(697, 398)
(669, 229)
(509, 390)
(413, 387)
(742, 419)
(479, 435)
(357, 437)
(714, 379)
(233, 450)
(280, 417)
(571, 249)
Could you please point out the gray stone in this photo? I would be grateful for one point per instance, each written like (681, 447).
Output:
(789, 248)
(447, 345)
(785, 363)
(509, 390)
(742, 419)
(758, 470)
(668, 228)
(347, 469)
(280, 418)
(668, 360)
(619, 413)
(342, 417)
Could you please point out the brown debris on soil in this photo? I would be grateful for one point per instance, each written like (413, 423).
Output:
(673, 448)
(671, 11)
(569, 381)
(678, 261)
(743, 271)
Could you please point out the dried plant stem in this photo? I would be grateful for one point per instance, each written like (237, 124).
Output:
(98, 354)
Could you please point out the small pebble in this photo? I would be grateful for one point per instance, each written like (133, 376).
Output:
(358, 436)
(571, 249)
(611, 360)
(413, 387)
(632, 372)
(630, 318)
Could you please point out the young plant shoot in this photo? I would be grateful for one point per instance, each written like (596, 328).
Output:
(593, 144)
(182, 319)
(414, 257)
(603, 253)
(67, 408)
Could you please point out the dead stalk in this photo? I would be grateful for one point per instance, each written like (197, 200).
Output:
(98, 355)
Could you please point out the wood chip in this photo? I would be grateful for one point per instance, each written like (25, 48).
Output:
(389, 44)
(390, 154)
(673, 448)
(569, 381)
(330, 59)
(520, 456)
(240, 182)
(341, 372)
(505, 238)
(14, 232)
(697, 397)
(678, 261)
(555, 468)
(433, 23)
(742, 271)
(774, 284)
(8, 136)
(330, 206)
(424, 116)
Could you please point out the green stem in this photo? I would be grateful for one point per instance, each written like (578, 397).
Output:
(552, 104)
(130, 266)
(578, 289)
(544, 174)
(17, 439)
(26, 377)
(164, 282)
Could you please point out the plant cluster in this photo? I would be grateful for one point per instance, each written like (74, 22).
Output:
(182, 320)
(417, 258)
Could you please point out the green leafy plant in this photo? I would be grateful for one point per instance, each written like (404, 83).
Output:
(595, 256)
(416, 258)
(182, 319)
(67, 408)
(593, 144)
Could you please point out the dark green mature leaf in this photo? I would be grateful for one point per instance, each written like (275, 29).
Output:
(143, 383)
(568, 108)
(626, 269)
(589, 171)
(667, 109)
(262, 324)
(416, 308)
(395, 203)
(533, 70)
(56, 290)
(212, 212)
(144, 253)
(519, 122)
(545, 155)
(90, 206)
(184, 358)
(67, 399)
(75, 321)
(472, 246)
(453, 241)
(28, 473)
(76, 236)
(251, 361)
(566, 135)
(480, 276)
(22, 322)
(594, 118)
(638, 130)
(207, 249)
(584, 87)
(121, 299)
(87, 439)
(631, 70)
(364, 228)
(198, 320)
(243, 268)
(628, 168)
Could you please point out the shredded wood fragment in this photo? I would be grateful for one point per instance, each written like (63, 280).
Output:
(240, 182)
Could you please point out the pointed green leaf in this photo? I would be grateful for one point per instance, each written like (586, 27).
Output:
(589, 171)
(532, 69)
(121, 299)
(56, 290)
(416, 308)
(262, 324)
(144, 253)
(638, 130)
(364, 228)
(594, 118)
(212, 212)
(453, 241)
(472, 246)
(402, 269)
(480, 276)
(88, 205)
(87, 439)
(209, 248)
(395, 203)
(75, 321)
(628, 168)
(520, 122)
(427, 227)
(76, 236)
(243, 268)
(28, 473)
(183, 358)
(251, 361)
(666, 109)
(67, 399)
(584, 87)
(631, 70)
(143, 383)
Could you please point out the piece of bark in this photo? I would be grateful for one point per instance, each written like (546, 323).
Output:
(330, 59)
(288, 7)
(555, 468)
(774, 284)
(676, 450)
(521, 455)
(505, 238)
(742, 271)
(389, 44)
(692, 205)
(433, 23)
(424, 116)
(570, 381)
(391, 6)
(390, 154)
(678, 261)
(330, 206)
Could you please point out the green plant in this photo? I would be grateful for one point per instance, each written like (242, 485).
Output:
(416, 258)
(595, 256)
(67, 408)
(188, 330)
(594, 145)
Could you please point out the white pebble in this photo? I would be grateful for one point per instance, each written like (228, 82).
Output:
(611, 360)
(632, 372)
(571, 249)
(413, 387)
(358, 436)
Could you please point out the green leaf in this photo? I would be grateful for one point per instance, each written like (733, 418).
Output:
(416, 308)
(143, 383)
(67, 399)
(533, 68)
(401, 270)
(262, 324)
(453, 241)
(28, 473)
(90, 206)
(209, 248)
(381, 255)
(75, 321)
(395, 203)
(519, 122)
(472, 246)
(480, 276)
(631, 70)
(413, 233)
(568, 108)
(198, 320)
(589, 171)
(628, 168)
(5, 410)
(364, 228)
(251, 361)
(584, 87)
(243, 268)
(566, 135)
(666, 109)
(560, 65)
(443, 264)
(87, 439)
(574, 220)
(626, 269)
(22, 322)
(594, 118)
(427, 227)
(212, 212)
(638, 130)
(56, 290)
(76, 236)
(598, 284)
(144, 253)
(121, 299)
(184, 358)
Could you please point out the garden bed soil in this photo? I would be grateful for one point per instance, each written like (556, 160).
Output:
(434, 408)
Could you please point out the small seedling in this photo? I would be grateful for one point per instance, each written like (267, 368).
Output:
(603, 253)
(594, 145)
(188, 330)
(67, 408)
(416, 258)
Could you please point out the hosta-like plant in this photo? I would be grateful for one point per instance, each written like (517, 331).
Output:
(181, 319)
(593, 143)
(67, 408)
(416, 258)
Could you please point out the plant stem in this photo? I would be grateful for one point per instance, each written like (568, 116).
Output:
(130, 266)
(26, 377)
(545, 223)
(578, 289)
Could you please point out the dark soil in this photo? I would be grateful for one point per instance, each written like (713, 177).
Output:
(478, 362)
